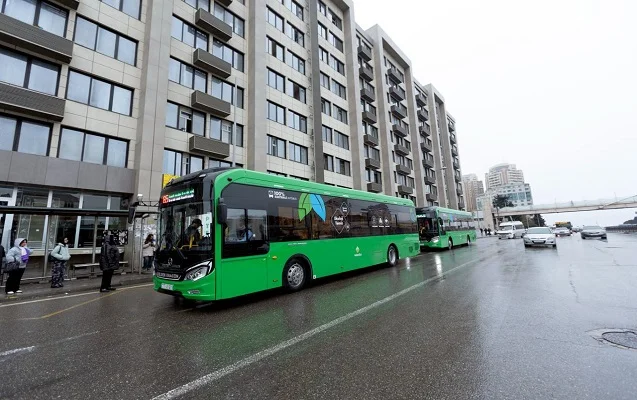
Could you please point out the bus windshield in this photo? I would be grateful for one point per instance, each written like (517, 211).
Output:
(186, 227)
(427, 225)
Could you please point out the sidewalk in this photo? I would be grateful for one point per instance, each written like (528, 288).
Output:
(35, 290)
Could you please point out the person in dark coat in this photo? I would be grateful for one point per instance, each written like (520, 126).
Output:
(109, 262)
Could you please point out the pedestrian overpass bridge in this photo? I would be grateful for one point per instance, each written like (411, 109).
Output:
(571, 206)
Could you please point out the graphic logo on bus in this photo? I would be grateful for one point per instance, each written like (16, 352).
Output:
(311, 202)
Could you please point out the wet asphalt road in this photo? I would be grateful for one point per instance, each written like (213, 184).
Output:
(483, 322)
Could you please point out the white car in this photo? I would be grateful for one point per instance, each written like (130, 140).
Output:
(562, 232)
(541, 236)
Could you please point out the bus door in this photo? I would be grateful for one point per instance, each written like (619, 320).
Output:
(244, 252)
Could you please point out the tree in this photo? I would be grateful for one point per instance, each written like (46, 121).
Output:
(530, 221)
(501, 201)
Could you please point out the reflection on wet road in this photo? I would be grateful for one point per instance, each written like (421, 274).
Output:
(493, 320)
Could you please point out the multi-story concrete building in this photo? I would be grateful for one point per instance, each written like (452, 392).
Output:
(99, 100)
(473, 188)
(503, 174)
(518, 193)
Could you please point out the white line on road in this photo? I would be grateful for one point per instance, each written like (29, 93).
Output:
(69, 296)
(220, 373)
(15, 351)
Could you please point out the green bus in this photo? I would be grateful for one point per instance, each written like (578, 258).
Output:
(227, 232)
(444, 227)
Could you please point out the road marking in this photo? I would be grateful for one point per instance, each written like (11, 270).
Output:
(15, 351)
(220, 373)
(69, 296)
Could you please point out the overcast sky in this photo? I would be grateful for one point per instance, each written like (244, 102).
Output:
(550, 86)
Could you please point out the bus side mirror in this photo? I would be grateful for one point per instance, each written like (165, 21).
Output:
(222, 212)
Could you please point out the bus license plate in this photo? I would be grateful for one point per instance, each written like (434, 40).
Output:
(167, 286)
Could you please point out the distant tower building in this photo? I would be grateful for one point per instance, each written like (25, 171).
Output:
(473, 189)
(503, 174)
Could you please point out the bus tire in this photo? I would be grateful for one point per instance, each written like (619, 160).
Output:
(392, 255)
(295, 274)
(450, 244)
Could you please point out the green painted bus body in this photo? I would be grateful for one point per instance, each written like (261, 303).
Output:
(238, 276)
(461, 235)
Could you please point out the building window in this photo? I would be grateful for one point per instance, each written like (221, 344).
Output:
(185, 119)
(295, 7)
(276, 147)
(275, 19)
(105, 41)
(228, 54)
(341, 140)
(326, 107)
(130, 7)
(187, 75)
(340, 114)
(172, 162)
(337, 65)
(373, 176)
(87, 147)
(322, 8)
(227, 92)
(371, 152)
(24, 136)
(276, 80)
(326, 133)
(295, 34)
(28, 72)
(237, 24)
(338, 89)
(296, 62)
(324, 55)
(328, 162)
(196, 4)
(322, 31)
(212, 163)
(276, 113)
(325, 80)
(190, 35)
(97, 93)
(297, 91)
(276, 173)
(337, 165)
(336, 42)
(297, 121)
(275, 49)
(369, 129)
(335, 19)
(44, 15)
(221, 130)
(297, 153)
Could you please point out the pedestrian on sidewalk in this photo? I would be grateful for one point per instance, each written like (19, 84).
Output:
(481, 231)
(148, 251)
(18, 257)
(60, 256)
(2, 256)
(109, 262)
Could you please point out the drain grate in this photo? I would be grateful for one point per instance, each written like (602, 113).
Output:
(621, 338)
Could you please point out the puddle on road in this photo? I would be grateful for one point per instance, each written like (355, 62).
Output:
(622, 338)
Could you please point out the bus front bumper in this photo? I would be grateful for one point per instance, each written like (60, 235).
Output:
(202, 289)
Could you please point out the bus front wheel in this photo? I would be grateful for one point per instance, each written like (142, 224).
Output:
(294, 274)
(392, 255)
(450, 244)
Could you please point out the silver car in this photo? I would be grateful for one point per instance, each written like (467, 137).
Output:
(593, 231)
(562, 232)
(540, 236)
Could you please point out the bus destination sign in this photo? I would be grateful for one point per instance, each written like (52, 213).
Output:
(178, 196)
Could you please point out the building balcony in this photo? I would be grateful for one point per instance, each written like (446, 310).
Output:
(459, 191)
(425, 130)
(35, 40)
(216, 148)
(397, 93)
(399, 110)
(400, 149)
(421, 100)
(212, 24)
(369, 116)
(452, 138)
(207, 103)
(429, 180)
(431, 197)
(452, 126)
(368, 94)
(394, 75)
(457, 177)
(456, 164)
(426, 146)
(374, 187)
(226, 3)
(400, 130)
(212, 64)
(428, 162)
(423, 115)
(461, 204)
(404, 189)
(403, 169)
(454, 151)
(366, 73)
(370, 140)
(364, 53)
(26, 101)
(372, 163)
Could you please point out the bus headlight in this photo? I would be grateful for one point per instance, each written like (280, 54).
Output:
(198, 272)
(435, 239)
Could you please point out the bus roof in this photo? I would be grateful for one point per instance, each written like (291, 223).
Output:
(281, 182)
(423, 210)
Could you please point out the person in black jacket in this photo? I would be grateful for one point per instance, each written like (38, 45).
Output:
(109, 262)
(2, 256)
